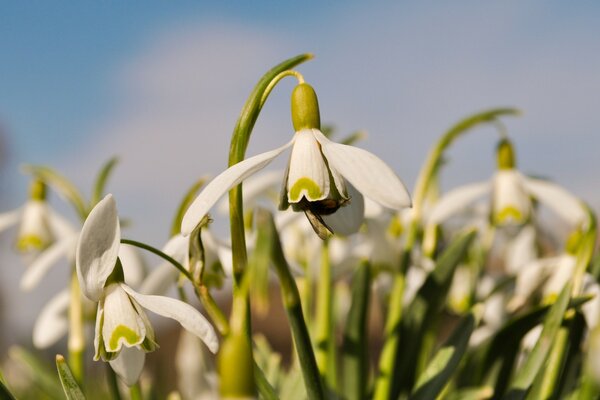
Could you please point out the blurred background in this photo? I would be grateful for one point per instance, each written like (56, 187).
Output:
(161, 84)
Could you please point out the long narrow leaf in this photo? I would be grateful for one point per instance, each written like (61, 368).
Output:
(69, 384)
(445, 362)
(101, 179)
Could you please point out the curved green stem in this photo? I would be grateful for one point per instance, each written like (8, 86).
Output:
(162, 255)
(76, 341)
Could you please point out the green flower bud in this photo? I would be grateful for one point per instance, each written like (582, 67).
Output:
(505, 154)
(37, 190)
(305, 108)
(236, 368)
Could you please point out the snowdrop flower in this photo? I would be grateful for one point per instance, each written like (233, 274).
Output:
(123, 332)
(39, 225)
(319, 177)
(511, 196)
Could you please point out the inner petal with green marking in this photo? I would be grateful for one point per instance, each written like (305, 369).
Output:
(123, 334)
(305, 187)
(509, 213)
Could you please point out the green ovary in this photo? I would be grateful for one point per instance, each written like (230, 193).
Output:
(125, 332)
(308, 186)
(508, 213)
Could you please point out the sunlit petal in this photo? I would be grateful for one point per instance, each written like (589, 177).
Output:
(308, 175)
(129, 365)
(10, 218)
(52, 323)
(190, 318)
(98, 247)
(558, 199)
(457, 200)
(122, 323)
(134, 268)
(511, 203)
(348, 218)
(45, 260)
(369, 174)
(224, 182)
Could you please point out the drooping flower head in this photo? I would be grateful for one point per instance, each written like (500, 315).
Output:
(121, 321)
(324, 179)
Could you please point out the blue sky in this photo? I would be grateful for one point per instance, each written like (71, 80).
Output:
(160, 84)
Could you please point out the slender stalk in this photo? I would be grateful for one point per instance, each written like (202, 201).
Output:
(291, 302)
(159, 253)
(324, 320)
(113, 384)
(211, 307)
(135, 392)
(76, 341)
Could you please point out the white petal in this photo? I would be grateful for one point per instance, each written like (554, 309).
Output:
(122, 323)
(59, 225)
(511, 203)
(10, 218)
(133, 265)
(264, 185)
(521, 250)
(52, 323)
(368, 173)
(457, 200)
(562, 271)
(45, 260)
(558, 199)
(308, 176)
(529, 278)
(186, 315)
(34, 231)
(347, 219)
(591, 309)
(224, 182)
(98, 247)
(129, 365)
(160, 280)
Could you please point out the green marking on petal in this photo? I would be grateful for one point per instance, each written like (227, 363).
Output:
(305, 186)
(31, 242)
(124, 332)
(508, 213)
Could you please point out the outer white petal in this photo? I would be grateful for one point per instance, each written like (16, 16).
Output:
(35, 223)
(368, 173)
(52, 323)
(562, 272)
(457, 200)
(159, 280)
(133, 265)
(509, 193)
(347, 219)
(45, 260)
(59, 225)
(224, 182)
(591, 309)
(98, 247)
(186, 315)
(521, 250)
(122, 323)
(129, 365)
(529, 278)
(265, 185)
(308, 176)
(558, 199)
(10, 218)
(195, 369)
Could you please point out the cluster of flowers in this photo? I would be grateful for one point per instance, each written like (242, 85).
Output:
(357, 211)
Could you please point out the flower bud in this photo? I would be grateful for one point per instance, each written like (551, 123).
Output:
(505, 155)
(305, 108)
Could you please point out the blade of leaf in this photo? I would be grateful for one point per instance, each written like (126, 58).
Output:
(536, 359)
(69, 384)
(354, 348)
(41, 374)
(423, 310)
(4, 392)
(62, 186)
(101, 179)
(445, 362)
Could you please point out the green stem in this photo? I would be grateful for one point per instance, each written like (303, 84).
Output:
(159, 253)
(135, 392)
(547, 381)
(211, 307)
(293, 306)
(387, 359)
(76, 341)
(113, 383)
(324, 320)
(355, 361)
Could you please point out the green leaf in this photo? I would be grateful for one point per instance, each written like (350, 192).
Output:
(4, 392)
(424, 310)
(354, 348)
(445, 362)
(258, 266)
(536, 359)
(41, 374)
(479, 393)
(61, 184)
(69, 384)
(101, 179)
